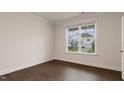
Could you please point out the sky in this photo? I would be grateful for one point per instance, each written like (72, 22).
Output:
(74, 34)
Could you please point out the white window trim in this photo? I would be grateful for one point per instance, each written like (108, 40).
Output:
(79, 52)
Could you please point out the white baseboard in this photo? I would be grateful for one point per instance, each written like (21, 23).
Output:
(13, 69)
(94, 65)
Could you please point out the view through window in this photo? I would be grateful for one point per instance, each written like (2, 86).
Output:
(81, 39)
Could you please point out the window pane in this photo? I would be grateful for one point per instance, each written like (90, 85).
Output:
(88, 27)
(73, 29)
(88, 31)
(88, 45)
(88, 39)
(73, 36)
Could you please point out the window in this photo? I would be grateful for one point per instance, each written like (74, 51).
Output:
(81, 39)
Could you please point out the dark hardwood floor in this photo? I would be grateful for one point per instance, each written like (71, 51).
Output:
(62, 71)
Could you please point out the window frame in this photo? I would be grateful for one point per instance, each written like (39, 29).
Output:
(79, 51)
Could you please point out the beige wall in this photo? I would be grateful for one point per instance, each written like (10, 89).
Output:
(108, 41)
(25, 40)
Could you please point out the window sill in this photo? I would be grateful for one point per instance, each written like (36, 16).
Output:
(92, 54)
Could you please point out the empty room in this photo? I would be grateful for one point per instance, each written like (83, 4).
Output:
(61, 46)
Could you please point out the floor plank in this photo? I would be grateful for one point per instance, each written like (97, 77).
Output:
(62, 71)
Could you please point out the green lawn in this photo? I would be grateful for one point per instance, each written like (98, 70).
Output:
(73, 49)
(91, 51)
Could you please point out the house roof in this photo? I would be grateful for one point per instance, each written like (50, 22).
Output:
(86, 35)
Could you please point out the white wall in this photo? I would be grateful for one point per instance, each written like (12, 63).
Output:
(108, 41)
(25, 40)
(123, 47)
